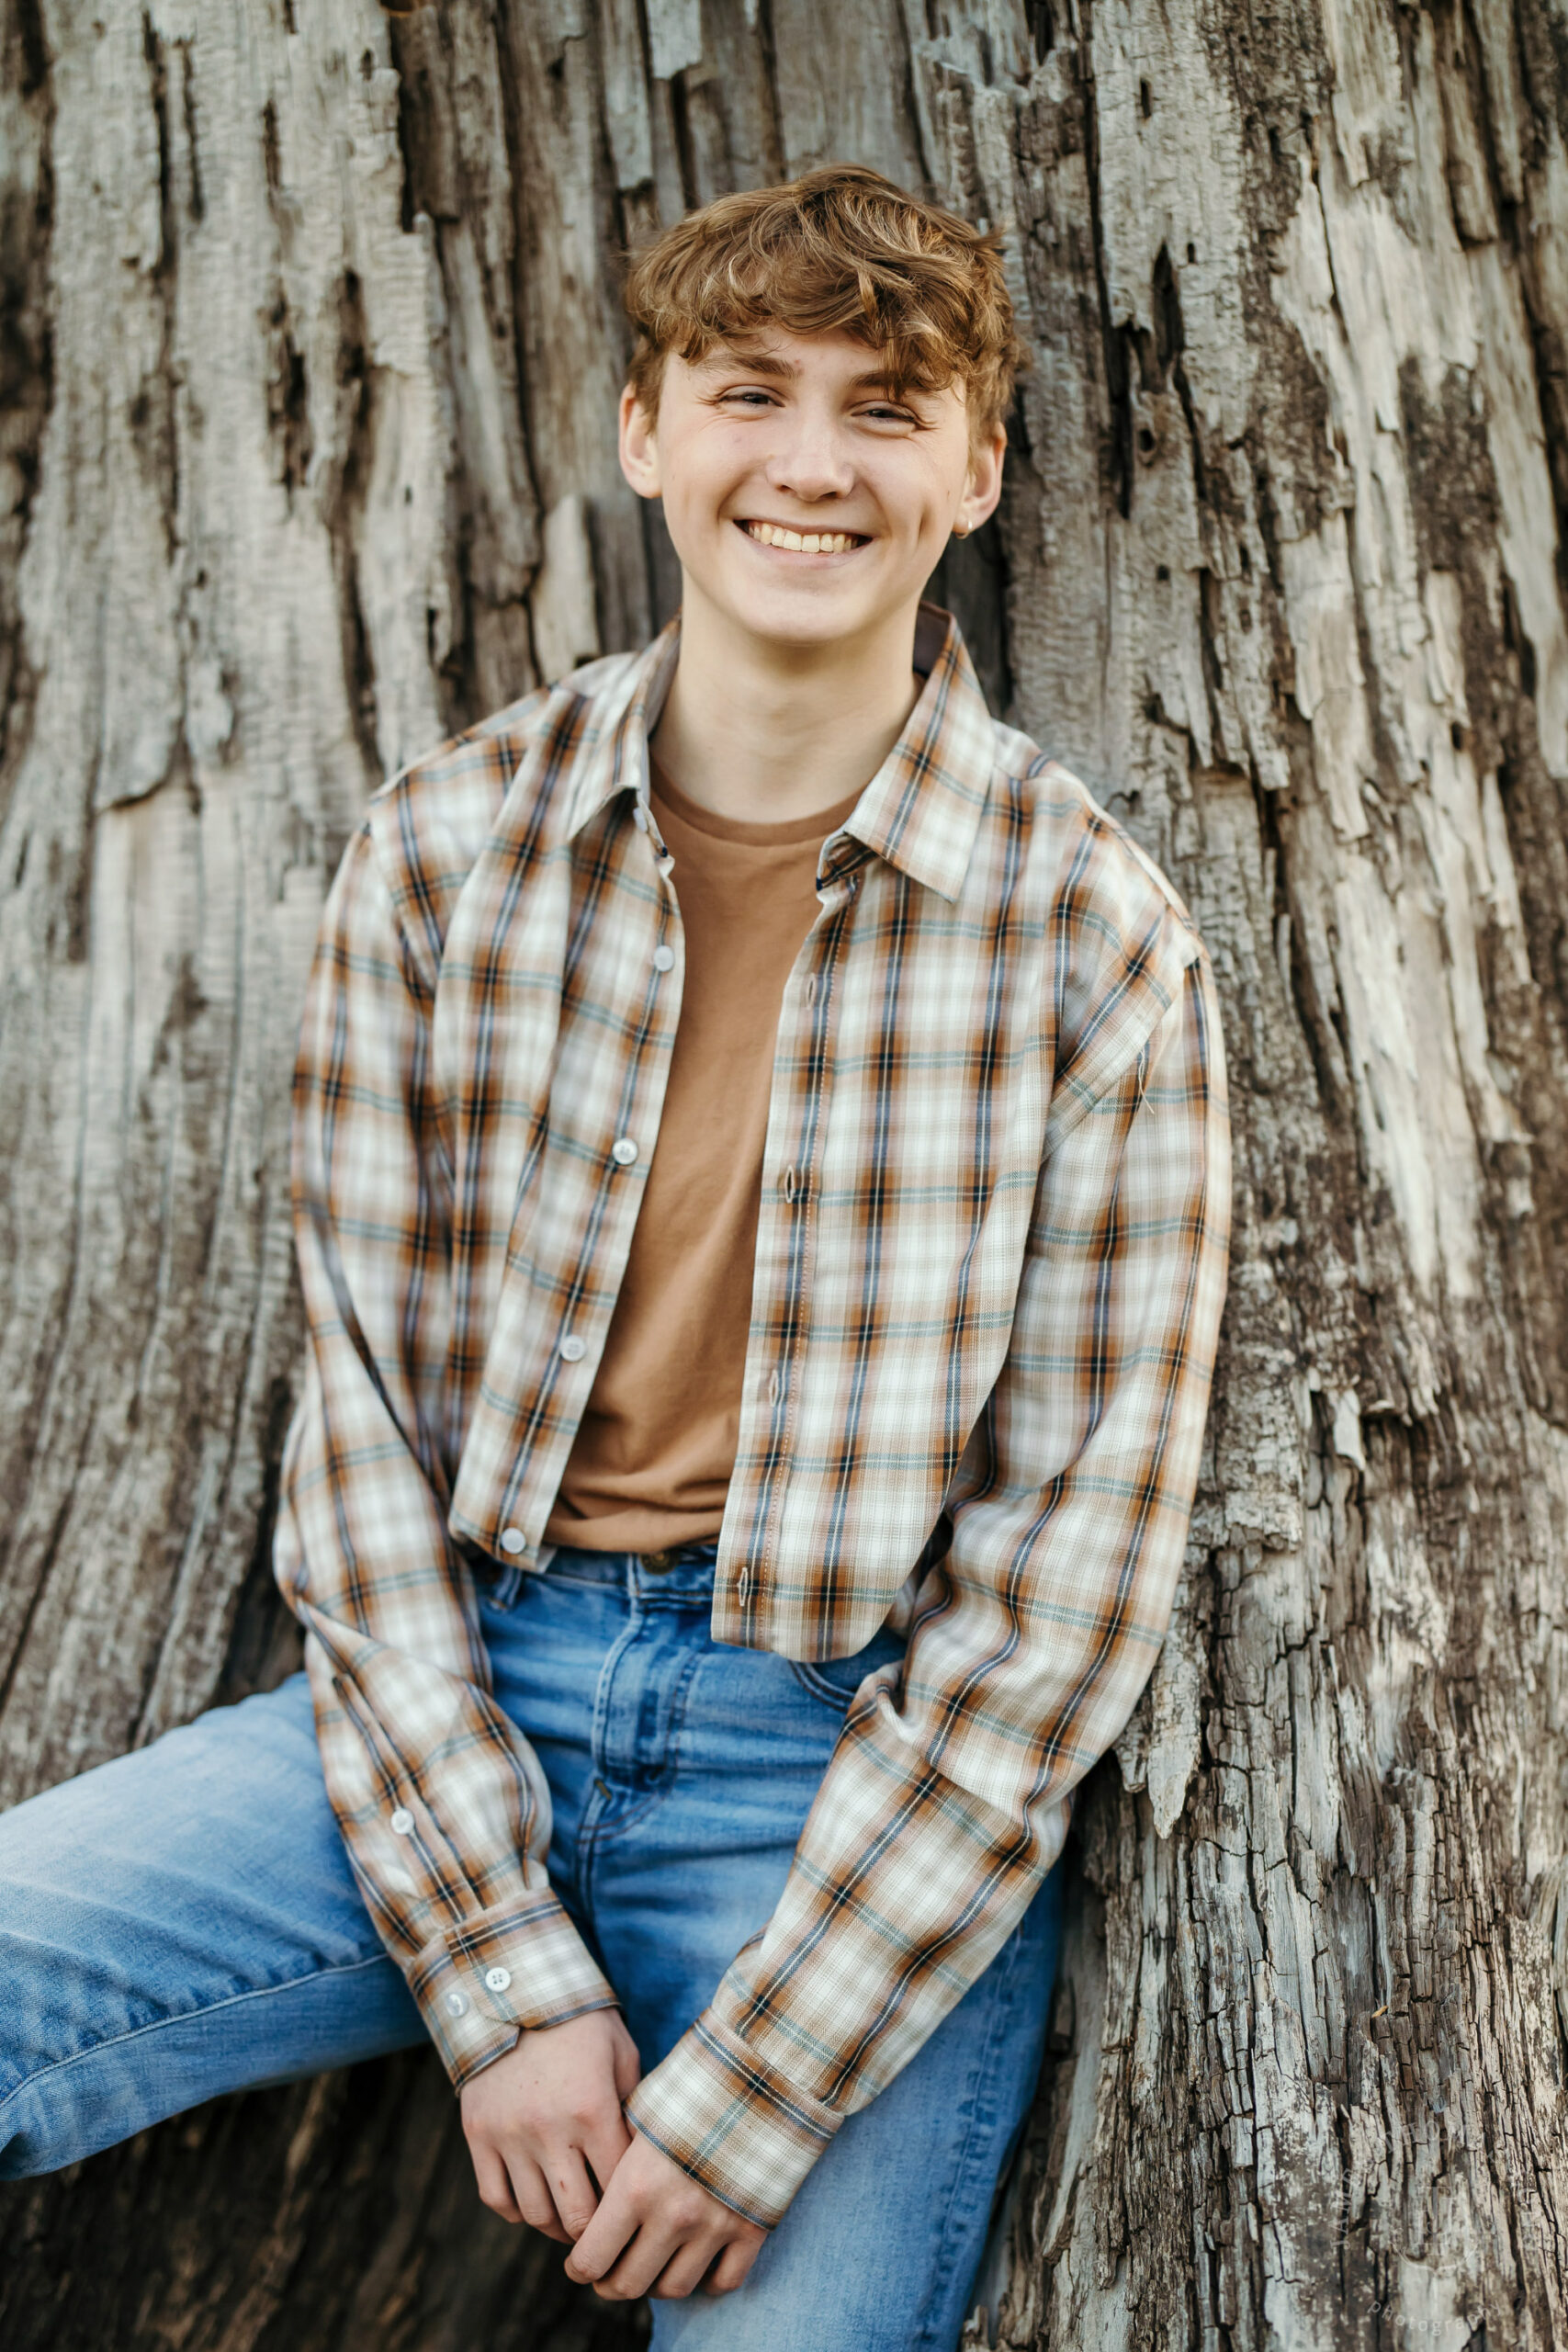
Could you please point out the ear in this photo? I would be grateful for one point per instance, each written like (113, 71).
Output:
(639, 447)
(983, 487)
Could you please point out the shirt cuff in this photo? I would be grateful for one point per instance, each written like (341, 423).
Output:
(732, 2122)
(501, 1974)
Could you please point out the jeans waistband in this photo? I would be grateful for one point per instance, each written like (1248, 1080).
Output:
(685, 1569)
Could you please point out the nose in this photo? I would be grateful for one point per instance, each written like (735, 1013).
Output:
(810, 461)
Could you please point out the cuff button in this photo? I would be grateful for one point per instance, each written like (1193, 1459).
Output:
(498, 1979)
(402, 1821)
(456, 2005)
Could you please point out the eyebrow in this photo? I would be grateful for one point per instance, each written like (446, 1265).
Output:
(767, 363)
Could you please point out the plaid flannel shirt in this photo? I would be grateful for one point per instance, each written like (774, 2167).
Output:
(990, 1267)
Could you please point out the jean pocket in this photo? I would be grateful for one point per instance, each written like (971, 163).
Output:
(835, 1681)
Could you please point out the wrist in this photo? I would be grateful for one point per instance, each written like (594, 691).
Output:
(519, 1968)
(742, 2131)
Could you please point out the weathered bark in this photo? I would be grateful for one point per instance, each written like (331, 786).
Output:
(309, 356)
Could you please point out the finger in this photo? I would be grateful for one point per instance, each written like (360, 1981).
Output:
(735, 2263)
(492, 2181)
(655, 2247)
(534, 2203)
(603, 2145)
(685, 2273)
(600, 2245)
(576, 2198)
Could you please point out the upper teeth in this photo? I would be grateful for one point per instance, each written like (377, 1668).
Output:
(804, 542)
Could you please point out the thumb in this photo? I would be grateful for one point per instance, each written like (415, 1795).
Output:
(628, 2065)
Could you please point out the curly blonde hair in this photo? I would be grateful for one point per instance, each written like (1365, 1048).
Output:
(841, 251)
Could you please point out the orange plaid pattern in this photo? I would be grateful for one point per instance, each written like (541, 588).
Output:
(991, 1264)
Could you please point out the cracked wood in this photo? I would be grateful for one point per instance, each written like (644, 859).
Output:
(309, 352)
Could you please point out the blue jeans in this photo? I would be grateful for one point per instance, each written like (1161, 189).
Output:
(184, 1922)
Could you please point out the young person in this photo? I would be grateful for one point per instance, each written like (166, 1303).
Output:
(763, 1182)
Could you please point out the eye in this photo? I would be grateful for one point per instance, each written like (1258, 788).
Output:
(747, 395)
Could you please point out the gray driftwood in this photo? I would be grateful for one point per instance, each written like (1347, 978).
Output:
(309, 354)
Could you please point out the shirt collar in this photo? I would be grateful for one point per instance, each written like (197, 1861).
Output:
(613, 750)
(922, 809)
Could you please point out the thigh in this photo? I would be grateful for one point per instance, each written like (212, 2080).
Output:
(681, 1770)
(879, 2251)
(684, 1849)
(180, 1923)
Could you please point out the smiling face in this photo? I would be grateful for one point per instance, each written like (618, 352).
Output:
(809, 504)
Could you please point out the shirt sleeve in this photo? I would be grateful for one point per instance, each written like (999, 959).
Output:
(443, 1808)
(946, 1800)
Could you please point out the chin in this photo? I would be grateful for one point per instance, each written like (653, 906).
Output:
(802, 619)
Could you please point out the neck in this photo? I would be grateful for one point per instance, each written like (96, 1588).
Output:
(767, 733)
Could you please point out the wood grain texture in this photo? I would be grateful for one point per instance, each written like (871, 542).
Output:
(310, 346)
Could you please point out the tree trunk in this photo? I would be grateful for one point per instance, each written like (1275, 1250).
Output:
(310, 345)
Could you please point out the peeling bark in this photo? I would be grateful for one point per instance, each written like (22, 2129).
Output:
(309, 346)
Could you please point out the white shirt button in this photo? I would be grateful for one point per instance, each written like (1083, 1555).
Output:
(664, 960)
(402, 1821)
(574, 1349)
(498, 1979)
(456, 2005)
(513, 1540)
(622, 1151)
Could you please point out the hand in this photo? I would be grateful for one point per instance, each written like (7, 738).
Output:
(658, 2231)
(543, 2123)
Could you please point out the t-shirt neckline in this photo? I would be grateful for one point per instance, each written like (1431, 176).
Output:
(744, 832)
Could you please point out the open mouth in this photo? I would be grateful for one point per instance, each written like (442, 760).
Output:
(775, 534)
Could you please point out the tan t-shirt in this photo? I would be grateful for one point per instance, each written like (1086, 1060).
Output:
(652, 1460)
